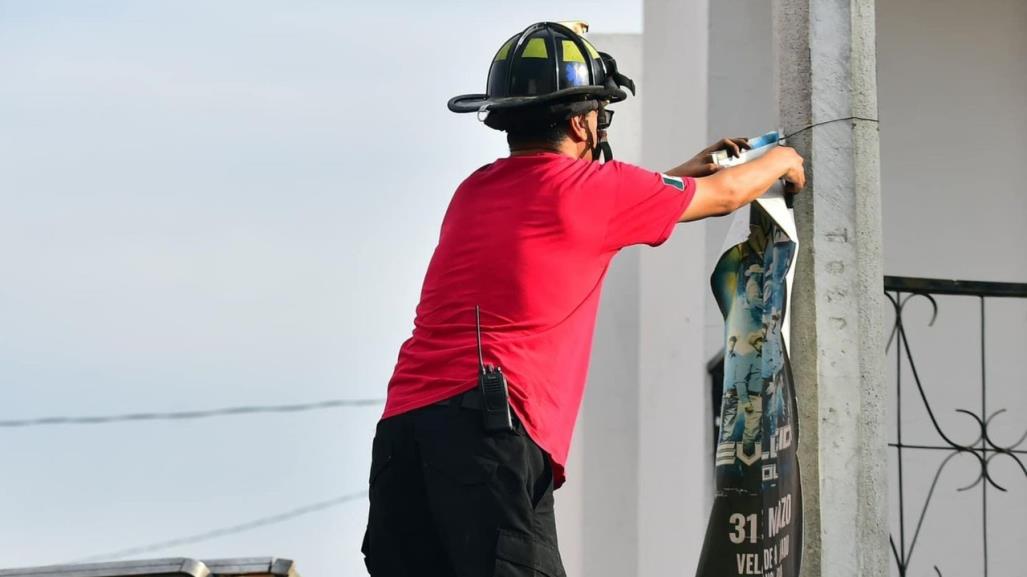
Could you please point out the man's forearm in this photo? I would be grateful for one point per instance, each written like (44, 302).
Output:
(731, 188)
(691, 169)
(749, 181)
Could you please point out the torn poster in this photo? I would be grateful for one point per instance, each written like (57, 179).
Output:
(755, 526)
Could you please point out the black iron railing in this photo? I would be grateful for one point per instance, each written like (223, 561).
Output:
(900, 291)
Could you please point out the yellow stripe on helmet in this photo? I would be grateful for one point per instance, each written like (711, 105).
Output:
(591, 49)
(536, 48)
(571, 52)
(504, 51)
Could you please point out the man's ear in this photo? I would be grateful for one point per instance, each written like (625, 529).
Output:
(578, 128)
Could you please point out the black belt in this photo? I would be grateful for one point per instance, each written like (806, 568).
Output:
(468, 400)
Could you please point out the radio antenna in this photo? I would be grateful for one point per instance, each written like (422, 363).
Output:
(477, 325)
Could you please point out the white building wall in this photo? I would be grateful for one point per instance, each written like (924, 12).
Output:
(674, 449)
(952, 76)
(953, 80)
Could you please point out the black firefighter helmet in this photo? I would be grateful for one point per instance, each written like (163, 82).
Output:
(547, 70)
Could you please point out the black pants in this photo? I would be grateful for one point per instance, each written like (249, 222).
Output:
(449, 500)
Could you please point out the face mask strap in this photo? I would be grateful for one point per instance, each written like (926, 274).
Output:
(604, 149)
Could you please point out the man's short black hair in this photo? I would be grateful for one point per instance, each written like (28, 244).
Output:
(535, 127)
(544, 125)
(549, 133)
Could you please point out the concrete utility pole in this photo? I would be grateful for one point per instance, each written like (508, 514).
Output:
(826, 60)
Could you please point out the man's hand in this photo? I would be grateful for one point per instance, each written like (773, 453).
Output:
(795, 178)
(702, 164)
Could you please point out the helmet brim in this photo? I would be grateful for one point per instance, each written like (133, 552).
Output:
(478, 102)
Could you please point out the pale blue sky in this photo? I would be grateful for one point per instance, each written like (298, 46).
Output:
(221, 203)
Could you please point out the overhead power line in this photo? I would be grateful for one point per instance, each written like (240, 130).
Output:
(224, 531)
(184, 415)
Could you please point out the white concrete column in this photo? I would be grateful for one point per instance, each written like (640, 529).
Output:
(675, 461)
(827, 71)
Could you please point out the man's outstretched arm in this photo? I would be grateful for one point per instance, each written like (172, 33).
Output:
(729, 189)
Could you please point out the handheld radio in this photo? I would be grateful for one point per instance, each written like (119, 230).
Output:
(495, 397)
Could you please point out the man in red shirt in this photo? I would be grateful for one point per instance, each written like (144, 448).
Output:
(465, 461)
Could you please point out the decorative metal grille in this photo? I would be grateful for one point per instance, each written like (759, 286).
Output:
(900, 291)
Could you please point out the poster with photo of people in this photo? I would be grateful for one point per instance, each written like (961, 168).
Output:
(755, 527)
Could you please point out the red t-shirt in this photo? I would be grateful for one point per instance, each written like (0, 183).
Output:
(529, 239)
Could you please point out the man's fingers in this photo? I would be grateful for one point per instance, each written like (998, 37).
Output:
(734, 146)
(742, 141)
(731, 147)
